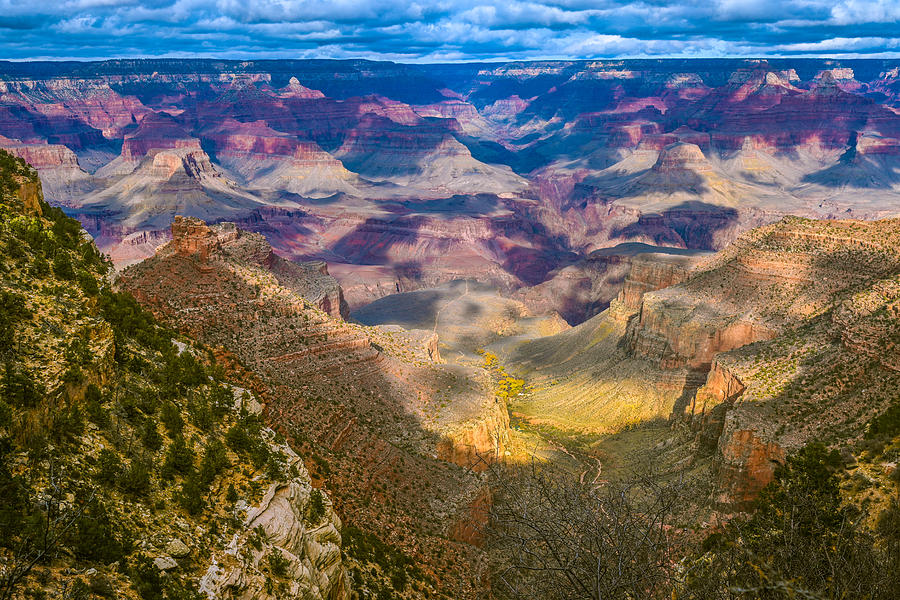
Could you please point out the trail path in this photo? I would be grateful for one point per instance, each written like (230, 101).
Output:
(437, 313)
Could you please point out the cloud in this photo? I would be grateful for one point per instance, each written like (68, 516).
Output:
(441, 30)
(854, 12)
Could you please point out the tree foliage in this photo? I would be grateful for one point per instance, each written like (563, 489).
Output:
(801, 541)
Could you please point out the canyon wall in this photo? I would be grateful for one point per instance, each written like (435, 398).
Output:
(408, 176)
(395, 430)
(784, 337)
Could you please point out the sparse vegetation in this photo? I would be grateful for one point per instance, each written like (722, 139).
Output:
(86, 375)
(801, 541)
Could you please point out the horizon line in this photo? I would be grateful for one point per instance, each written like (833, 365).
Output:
(848, 56)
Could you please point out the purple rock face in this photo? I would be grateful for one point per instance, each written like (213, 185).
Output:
(402, 176)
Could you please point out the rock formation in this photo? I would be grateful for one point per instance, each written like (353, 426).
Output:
(374, 401)
(194, 239)
(554, 160)
(792, 328)
(61, 174)
(284, 525)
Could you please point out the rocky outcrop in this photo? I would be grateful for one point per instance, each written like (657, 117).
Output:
(673, 333)
(478, 443)
(707, 409)
(676, 159)
(579, 291)
(270, 159)
(672, 328)
(294, 89)
(195, 239)
(157, 131)
(294, 527)
(651, 272)
(869, 323)
(751, 291)
(42, 156)
(31, 195)
(58, 166)
(426, 341)
(746, 465)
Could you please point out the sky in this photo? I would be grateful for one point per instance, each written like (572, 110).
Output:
(447, 30)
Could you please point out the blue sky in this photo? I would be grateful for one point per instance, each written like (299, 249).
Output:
(447, 30)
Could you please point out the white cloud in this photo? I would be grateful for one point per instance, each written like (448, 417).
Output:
(856, 12)
(447, 29)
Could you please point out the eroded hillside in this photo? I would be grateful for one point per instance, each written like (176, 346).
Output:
(787, 336)
(395, 434)
(129, 466)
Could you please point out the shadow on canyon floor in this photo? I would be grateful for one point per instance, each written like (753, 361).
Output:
(691, 224)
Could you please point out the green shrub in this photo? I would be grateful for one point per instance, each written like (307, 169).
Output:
(129, 320)
(399, 580)
(62, 266)
(14, 248)
(6, 412)
(215, 460)
(92, 259)
(180, 373)
(96, 538)
(12, 310)
(231, 496)
(14, 500)
(32, 231)
(136, 480)
(150, 436)
(316, 507)
(171, 418)
(259, 454)
(190, 496)
(93, 394)
(238, 439)
(109, 467)
(200, 413)
(886, 424)
(146, 578)
(93, 406)
(220, 400)
(179, 458)
(278, 563)
(129, 408)
(68, 423)
(275, 470)
(19, 387)
(87, 282)
(39, 268)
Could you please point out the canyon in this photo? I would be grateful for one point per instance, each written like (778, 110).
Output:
(405, 177)
(378, 407)
(408, 278)
(750, 353)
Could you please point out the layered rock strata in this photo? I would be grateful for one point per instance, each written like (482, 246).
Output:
(374, 401)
